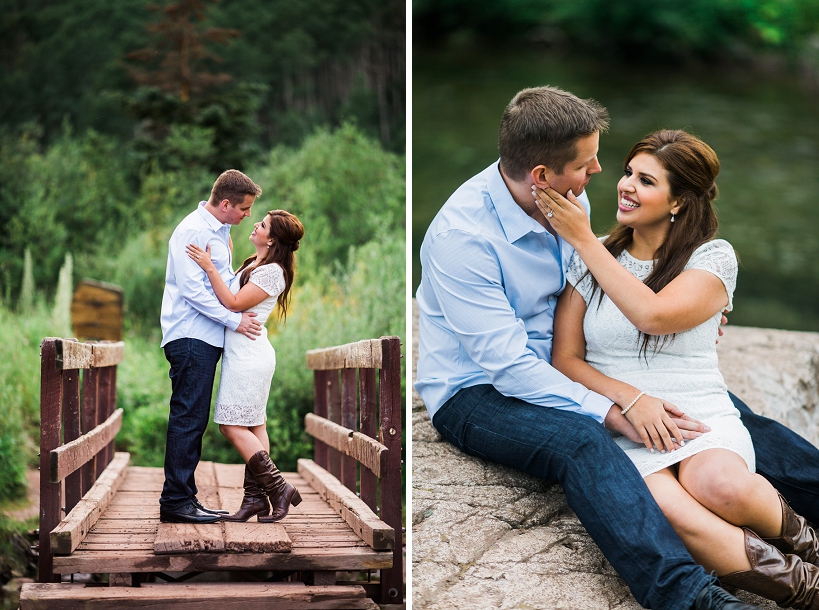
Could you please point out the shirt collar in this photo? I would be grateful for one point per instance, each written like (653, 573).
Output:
(212, 221)
(515, 222)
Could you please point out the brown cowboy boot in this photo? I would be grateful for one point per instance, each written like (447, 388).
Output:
(280, 493)
(254, 501)
(797, 537)
(786, 579)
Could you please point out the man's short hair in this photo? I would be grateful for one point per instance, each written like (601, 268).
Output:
(541, 126)
(233, 185)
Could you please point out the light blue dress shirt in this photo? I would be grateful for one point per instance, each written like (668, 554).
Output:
(489, 286)
(190, 309)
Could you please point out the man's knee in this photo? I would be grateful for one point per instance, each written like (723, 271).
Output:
(585, 437)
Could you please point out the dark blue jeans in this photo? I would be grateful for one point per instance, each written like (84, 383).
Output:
(786, 459)
(602, 486)
(193, 367)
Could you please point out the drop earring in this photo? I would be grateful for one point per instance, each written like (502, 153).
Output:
(672, 217)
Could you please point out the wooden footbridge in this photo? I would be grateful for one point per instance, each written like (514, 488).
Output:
(340, 548)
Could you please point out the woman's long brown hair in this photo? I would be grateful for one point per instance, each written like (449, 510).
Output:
(691, 167)
(285, 231)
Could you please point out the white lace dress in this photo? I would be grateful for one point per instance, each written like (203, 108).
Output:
(247, 365)
(684, 372)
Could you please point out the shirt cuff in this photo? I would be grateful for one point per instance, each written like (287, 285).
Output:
(234, 319)
(596, 406)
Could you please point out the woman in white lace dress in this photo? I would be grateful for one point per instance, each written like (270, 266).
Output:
(638, 323)
(263, 282)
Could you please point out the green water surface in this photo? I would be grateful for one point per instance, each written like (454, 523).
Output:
(763, 126)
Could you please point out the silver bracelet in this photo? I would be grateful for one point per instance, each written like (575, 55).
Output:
(631, 404)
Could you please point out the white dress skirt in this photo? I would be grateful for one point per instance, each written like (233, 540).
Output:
(684, 372)
(248, 365)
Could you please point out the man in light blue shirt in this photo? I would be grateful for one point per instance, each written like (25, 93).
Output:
(193, 334)
(492, 270)
(491, 278)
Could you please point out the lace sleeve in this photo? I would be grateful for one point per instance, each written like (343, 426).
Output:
(717, 257)
(269, 278)
(576, 276)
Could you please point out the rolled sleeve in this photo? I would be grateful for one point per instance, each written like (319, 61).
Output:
(467, 281)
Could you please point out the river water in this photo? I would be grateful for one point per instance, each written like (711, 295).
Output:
(764, 127)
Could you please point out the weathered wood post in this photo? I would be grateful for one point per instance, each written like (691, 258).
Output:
(390, 416)
(64, 413)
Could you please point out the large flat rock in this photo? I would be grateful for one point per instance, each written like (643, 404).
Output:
(488, 537)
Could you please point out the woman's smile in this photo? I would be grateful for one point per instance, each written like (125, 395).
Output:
(627, 204)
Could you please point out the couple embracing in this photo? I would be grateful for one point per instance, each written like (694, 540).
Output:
(592, 362)
(209, 312)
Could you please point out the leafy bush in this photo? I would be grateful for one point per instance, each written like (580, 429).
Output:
(664, 28)
(20, 335)
(343, 187)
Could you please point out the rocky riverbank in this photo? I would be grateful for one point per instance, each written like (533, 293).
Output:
(488, 537)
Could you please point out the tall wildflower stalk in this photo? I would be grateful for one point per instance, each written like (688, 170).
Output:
(26, 301)
(61, 314)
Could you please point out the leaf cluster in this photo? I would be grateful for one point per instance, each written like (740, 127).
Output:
(634, 29)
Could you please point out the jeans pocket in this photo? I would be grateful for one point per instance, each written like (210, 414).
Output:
(178, 353)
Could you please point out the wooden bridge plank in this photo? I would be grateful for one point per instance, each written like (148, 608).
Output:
(358, 355)
(98, 537)
(229, 475)
(189, 538)
(69, 533)
(344, 558)
(205, 477)
(69, 457)
(368, 451)
(209, 496)
(356, 513)
(254, 537)
(198, 596)
(123, 538)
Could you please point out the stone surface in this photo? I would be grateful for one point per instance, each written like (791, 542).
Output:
(486, 537)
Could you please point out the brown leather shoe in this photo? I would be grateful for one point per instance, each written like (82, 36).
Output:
(280, 493)
(254, 501)
(797, 538)
(786, 579)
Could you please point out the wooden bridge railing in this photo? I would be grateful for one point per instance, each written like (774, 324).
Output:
(78, 423)
(350, 430)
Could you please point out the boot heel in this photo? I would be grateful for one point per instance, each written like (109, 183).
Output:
(295, 499)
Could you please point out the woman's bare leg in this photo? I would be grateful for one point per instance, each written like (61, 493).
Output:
(244, 439)
(713, 543)
(261, 433)
(720, 480)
